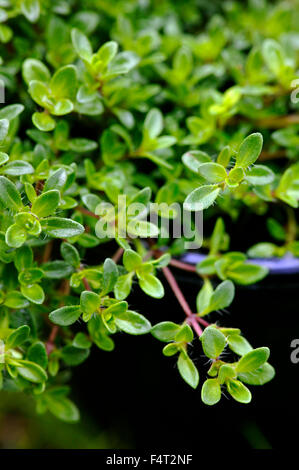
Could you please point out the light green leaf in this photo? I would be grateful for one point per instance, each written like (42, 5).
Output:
(211, 392)
(238, 391)
(46, 204)
(61, 228)
(213, 342)
(165, 331)
(212, 172)
(152, 286)
(132, 323)
(9, 196)
(201, 198)
(249, 150)
(188, 370)
(65, 316)
(253, 360)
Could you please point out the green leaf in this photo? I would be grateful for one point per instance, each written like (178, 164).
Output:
(152, 286)
(73, 356)
(11, 111)
(142, 229)
(64, 83)
(3, 156)
(222, 297)
(70, 254)
(217, 237)
(131, 260)
(262, 250)
(58, 227)
(260, 376)
(57, 269)
(235, 176)
(81, 44)
(165, 331)
(185, 334)
(110, 275)
(56, 180)
(188, 370)
(23, 258)
(31, 371)
(247, 273)
(123, 286)
(211, 392)
(81, 341)
(15, 299)
(238, 344)
(89, 302)
(33, 69)
(201, 198)
(204, 296)
(62, 408)
(37, 353)
(46, 204)
(249, 150)
(153, 123)
(194, 159)
(18, 168)
(15, 236)
(260, 175)
(18, 337)
(273, 56)
(28, 222)
(107, 52)
(238, 391)
(212, 172)
(34, 293)
(171, 349)
(31, 9)
(132, 323)
(213, 342)
(65, 316)
(43, 121)
(224, 156)
(9, 196)
(226, 372)
(253, 360)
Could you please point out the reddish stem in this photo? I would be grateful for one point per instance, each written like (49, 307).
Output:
(181, 299)
(117, 255)
(202, 321)
(87, 212)
(184, 266)
(51, 339)
(86, 284)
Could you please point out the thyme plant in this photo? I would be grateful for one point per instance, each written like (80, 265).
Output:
(112, 104)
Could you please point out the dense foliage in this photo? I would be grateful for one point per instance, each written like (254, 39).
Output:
(165, 102)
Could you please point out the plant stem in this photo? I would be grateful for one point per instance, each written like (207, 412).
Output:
(48, 251)
(181, 299)
(292, 225)
(64, 290)
(87, 212)
(117, 255)
(184, 266)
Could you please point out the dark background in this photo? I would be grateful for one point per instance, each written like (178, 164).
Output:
(136, 392)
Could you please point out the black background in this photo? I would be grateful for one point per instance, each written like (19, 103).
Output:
(137, 391)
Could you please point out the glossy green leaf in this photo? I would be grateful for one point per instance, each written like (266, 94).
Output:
(65, 316)
(211, 392)
(188, 370)
(253, 360)
(213, 342)
(249, 150)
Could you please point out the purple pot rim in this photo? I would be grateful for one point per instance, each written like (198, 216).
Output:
(285, 265)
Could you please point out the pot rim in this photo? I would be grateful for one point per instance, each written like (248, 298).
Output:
(288, 264)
